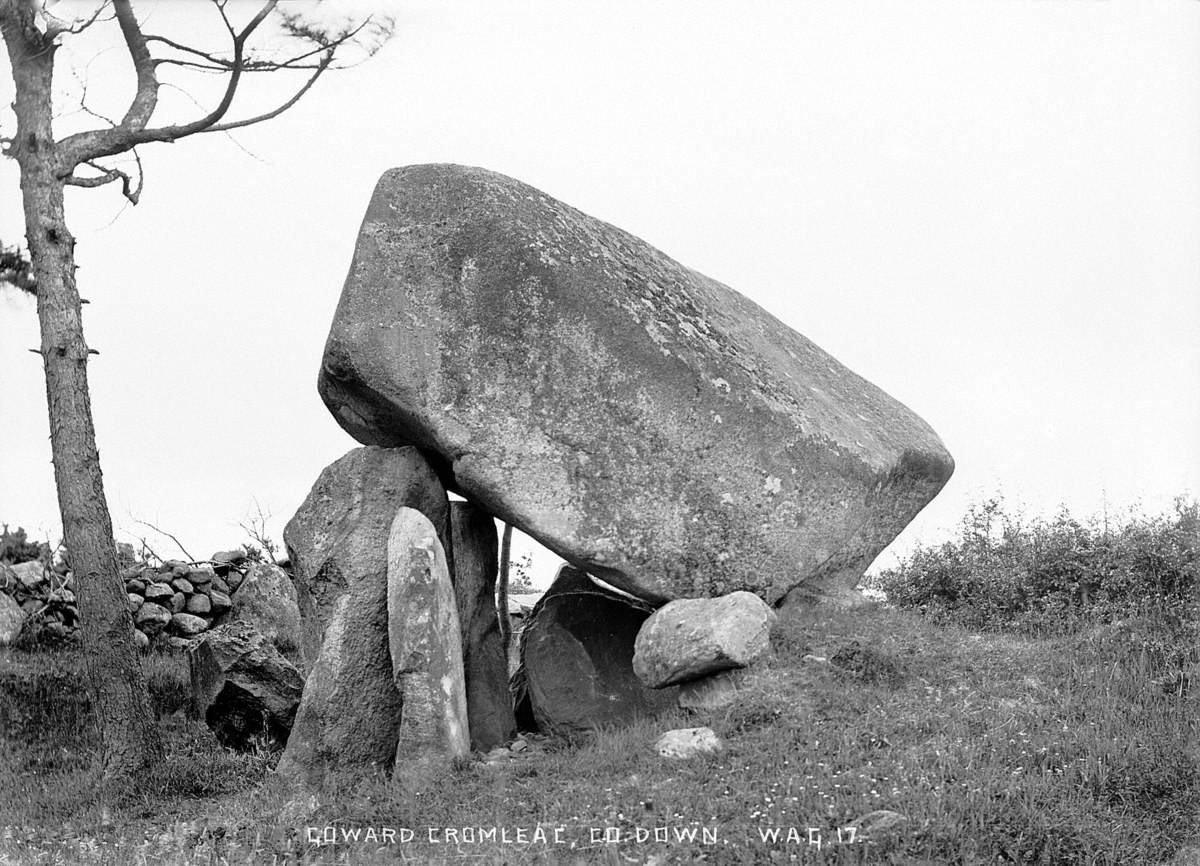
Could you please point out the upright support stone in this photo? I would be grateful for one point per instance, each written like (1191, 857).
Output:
(349, 716)
(337, 540)
(474, 552)
(426, 649)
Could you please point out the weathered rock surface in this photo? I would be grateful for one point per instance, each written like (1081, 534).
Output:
(187, 625)
(349, 716)
(151, 617)
(689, 638)
(12, 619)
(243, 687)
(266, 601)
(473, 573)
(688, 743)
(713, 692)
(577, 659)
(645, 422)
(426, 647)
(337, 541)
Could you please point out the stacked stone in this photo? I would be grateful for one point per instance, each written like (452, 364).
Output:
(45, 597)
(177, 601)
(172, 602)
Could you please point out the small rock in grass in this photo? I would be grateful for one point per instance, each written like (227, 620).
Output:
(140, 640)
(688, 743)
(816, 659)
(879, 821)
(234, 579)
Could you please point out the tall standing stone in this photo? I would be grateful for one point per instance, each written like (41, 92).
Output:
(349, 715)
(337, 541)
(474, 571)
(426, 647)
(646, 423)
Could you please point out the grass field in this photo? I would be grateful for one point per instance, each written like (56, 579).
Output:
(993, 748)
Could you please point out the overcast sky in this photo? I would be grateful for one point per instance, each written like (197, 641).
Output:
(991, 210)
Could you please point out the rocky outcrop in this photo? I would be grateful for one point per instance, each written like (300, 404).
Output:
(243, 687)
(473, 571)
(337, 541)
(426, 648)
(691, 638)
(576, 669)
(643, 421)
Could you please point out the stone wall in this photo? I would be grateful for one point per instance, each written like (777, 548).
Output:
(171, 602)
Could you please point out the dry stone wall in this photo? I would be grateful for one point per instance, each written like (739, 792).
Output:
(171, 603)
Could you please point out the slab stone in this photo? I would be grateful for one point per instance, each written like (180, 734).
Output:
(474, 564)
(349, 716)
(243, 687)
(12, 619)
(576, 670)
(426, 648)
(266, 601)
(643, 421)
(690, 638)
(337, 541)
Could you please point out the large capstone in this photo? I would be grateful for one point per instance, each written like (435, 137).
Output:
(576, 669)
(645, 422)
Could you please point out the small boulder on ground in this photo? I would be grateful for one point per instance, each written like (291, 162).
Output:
(691, 638)
(243, 687)
(688, 743)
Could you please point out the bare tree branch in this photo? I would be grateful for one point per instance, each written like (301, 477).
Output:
(225, 127)
(170, 536)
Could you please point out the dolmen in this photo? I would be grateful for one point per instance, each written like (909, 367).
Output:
(668, 438)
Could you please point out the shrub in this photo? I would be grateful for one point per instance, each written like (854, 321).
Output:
(1053, 575)
(15, 547)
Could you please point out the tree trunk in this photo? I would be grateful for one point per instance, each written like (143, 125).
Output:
(115, 679)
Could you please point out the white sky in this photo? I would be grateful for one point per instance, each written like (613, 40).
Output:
(991, 210)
